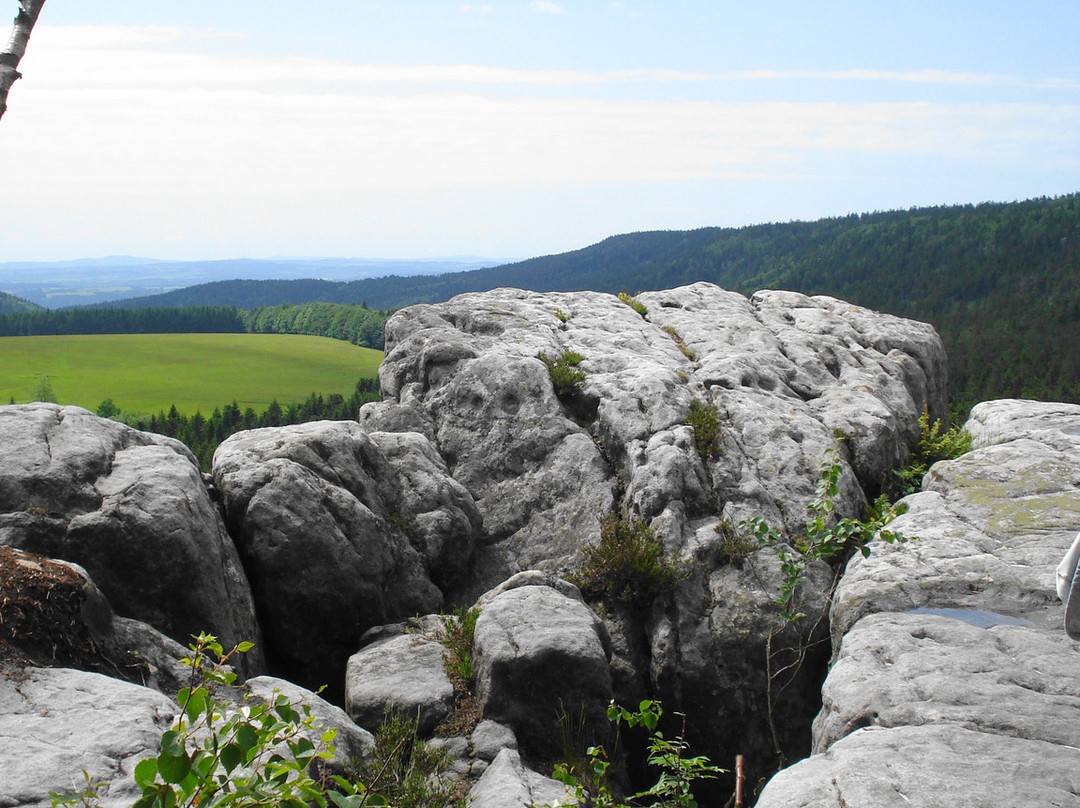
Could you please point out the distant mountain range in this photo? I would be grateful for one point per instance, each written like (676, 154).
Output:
(58, 284)
(999, 281)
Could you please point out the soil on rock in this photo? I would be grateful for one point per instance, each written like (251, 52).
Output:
(42, 622)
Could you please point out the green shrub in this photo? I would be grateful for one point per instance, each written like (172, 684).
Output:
(628, 565)
(566, 377)
(934, 445)
(824, 536)
(588, 781)
(217, 754)
(637, 306)
(458, 630)
(708, 439)
(560, 315)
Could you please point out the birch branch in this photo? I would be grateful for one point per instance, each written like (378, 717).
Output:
(13, 52)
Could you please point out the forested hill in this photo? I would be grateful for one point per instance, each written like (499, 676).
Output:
(1000, 281)
(9, 304)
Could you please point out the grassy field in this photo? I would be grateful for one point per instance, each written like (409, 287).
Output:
(149, 372)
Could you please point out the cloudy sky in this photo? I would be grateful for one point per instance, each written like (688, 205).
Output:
(418, 128)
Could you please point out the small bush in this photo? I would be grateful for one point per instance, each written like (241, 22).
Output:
(934, 445)
(566, 377)
(627, 566)
(560, 315)
(705, 419)
(735, 546)
(637, 306)
(458, 630)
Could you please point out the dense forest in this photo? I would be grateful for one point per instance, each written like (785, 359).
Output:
(9, 304)
(202, 434)
(999, 281)
(356, 324)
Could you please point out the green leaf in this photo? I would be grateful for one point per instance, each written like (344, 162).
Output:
(232, 756)
(173, 768)
(246, 738)
(146, 772)
(172, 744)
(244, 647)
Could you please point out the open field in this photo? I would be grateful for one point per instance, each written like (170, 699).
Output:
(149, 372)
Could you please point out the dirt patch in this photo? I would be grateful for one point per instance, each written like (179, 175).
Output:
(42, 623)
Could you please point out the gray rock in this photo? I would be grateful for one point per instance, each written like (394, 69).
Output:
(133, 510)
(536, 651)
(899, 670)
(953, 674)
(56, 723)
(316, 510)
(509, 783)
(926, 767)
(490, 737)
(352, 744)
(404, 673)
(787, 374)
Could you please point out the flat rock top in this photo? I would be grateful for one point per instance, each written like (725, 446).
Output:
(953, 673)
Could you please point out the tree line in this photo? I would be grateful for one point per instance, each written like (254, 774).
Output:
(350, 322)
(202, 434)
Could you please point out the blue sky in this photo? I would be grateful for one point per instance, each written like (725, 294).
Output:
(404, 129)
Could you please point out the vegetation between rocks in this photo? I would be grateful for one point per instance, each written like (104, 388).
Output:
(636, 305)
(217, 753)
(628, 565)
(705, 419)
(934, 445)
(566, 377)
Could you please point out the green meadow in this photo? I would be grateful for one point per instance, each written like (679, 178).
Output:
(150, 372)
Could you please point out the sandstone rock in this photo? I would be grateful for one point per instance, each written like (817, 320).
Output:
(509, 783)
(926, 767)
(536, 650)
(404, 673)
(490, 738)
(130, 507)
(953, 675)
(352, 744)
(788, 375)
(899, 670)
(56, 723)
(316, 510)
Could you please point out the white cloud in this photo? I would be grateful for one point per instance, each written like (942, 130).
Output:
(546, 7)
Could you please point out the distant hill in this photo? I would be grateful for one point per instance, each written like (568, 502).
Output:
(1000, 281)
(9, 304)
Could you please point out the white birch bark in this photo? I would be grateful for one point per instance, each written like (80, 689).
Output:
(13, 52)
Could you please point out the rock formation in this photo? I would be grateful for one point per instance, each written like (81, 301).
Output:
(953, 678)
(477, 467)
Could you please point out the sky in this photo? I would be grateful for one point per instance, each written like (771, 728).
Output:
(192, 129)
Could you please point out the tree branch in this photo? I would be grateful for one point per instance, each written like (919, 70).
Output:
(13, 52)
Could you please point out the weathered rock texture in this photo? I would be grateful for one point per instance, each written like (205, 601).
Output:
(322, 522)
(789, 375)
(130, 507)
(953, 675)
(57, 722)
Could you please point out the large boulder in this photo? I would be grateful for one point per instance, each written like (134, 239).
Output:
(509, 783)
(56, 723)
(133, 510)
(539, 650)
(952, 671)
(788, 377)
(320, 520)
(403, 673)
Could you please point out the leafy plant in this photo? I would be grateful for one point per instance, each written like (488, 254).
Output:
(824, 537)
(405, 770)
(705, 419)
(735, 545)
(560, 315)
(628, 565)
(636, 305)
(566, 377)
(458, 630)
(934, 445)
(678, 772)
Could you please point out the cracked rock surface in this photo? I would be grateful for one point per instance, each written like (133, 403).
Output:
(133, 510)
(953, 674)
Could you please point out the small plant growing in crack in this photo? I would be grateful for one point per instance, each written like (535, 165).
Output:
(636, 305)
(566, 377)
(705, 420)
